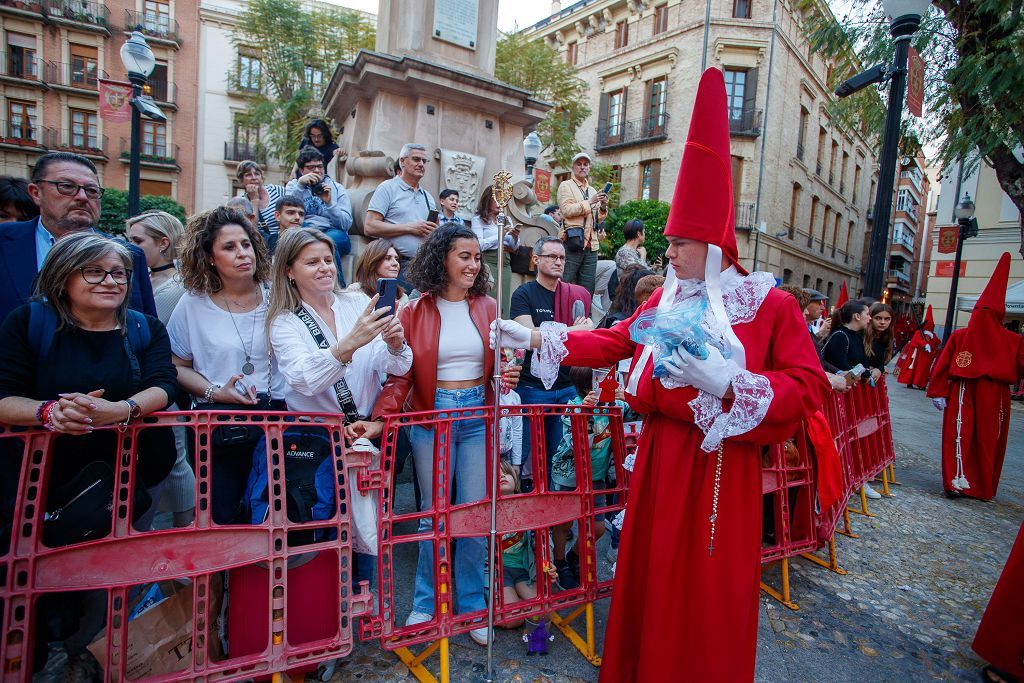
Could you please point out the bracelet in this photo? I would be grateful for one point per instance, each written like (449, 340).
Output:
(43, 412)
(210, 391)
(400, 351)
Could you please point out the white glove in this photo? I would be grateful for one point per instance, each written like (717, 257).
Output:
(939, 403)
(513, 335)
(927, 348)
(713, 374)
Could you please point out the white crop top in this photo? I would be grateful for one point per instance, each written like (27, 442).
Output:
(460, 350)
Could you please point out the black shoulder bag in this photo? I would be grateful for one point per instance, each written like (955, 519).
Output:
(345, 401)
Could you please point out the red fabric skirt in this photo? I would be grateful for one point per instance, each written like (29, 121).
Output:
(985, 423)
(1000, 637)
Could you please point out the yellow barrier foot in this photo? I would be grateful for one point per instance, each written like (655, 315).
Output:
(414, 662)
(863, 505)
(847, 530)
(564, 624)
(784, 596)
(892, 476)
(832, 564)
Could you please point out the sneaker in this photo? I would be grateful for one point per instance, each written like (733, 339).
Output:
(871, 493)
(479, 636)
(415, 618)
(567, 580)
(574, 562)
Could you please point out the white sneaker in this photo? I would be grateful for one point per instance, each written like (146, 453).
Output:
(415, 618)
(479, 636)
(871, 493)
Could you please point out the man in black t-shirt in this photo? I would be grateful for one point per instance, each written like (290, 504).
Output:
(533, 303)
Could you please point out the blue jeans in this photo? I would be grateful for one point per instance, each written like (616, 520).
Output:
(552, 424)
(468, 465)
(342, 247)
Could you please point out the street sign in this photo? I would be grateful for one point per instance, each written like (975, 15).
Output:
(945, 268)
(915, 83)
(947, 239)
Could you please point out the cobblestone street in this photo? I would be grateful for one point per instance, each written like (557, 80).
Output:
(919, 577)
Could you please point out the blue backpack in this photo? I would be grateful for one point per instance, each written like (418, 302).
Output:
(42, 325)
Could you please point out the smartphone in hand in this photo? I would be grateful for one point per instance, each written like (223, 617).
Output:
(607, 188)
(432, 217)
(387, 289)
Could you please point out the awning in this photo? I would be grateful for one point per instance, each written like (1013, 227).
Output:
(1014, 301)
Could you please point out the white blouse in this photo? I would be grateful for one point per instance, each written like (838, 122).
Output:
(310, 372)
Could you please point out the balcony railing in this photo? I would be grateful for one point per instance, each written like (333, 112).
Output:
(745, 216)
(899, 276)
(19, 133)
(908, 208)
(81, 11)
(73, 75)
(26, 5)
(72, 141)
(160, 155)
(748, 122)
(647, 129)
(26, 68)
(235, 150)
(153, 25)
(162, 91)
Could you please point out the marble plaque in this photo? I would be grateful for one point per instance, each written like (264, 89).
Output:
(455, 22)
(464, 173)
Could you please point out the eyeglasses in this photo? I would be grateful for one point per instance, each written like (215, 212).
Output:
(554, 257)
(95, 275)
(313, 167)
(69, 189)
(418, 160)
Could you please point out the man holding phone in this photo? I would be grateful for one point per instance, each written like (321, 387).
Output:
(584, 210)
(327, 206)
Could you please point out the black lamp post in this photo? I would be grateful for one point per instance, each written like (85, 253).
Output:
(531, 151)
(139, 62)
(967, 226)
(905, 19)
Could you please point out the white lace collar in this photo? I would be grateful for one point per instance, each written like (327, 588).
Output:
(742, 295)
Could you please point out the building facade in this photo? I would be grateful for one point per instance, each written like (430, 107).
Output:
(907, 233)
(802, 185)
(54, 53)
(999, 230)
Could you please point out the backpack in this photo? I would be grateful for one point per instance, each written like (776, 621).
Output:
(42, 326)
(309, 481)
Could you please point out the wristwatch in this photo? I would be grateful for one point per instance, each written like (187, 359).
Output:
(134, 411)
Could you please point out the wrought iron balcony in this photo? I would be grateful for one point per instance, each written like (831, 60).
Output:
(23, 5)
(79, 76)
(24, 68)
(160, 156)
(79, 11)
(744, 215)
(153, 25)
(748, 122)
(162, 91)
(74, 141)
(236, 150)
(20, 133)
(647, 129)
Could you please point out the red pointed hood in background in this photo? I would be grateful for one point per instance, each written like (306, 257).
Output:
(929, 321)
(989, 349)
(703, 206)
(843, 297)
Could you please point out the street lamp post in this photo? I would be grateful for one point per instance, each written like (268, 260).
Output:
(531, 150)
(967, 227)
(139, 62)
(905, 19)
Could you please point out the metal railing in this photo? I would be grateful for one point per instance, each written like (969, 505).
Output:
(73, 76)
(69, 140)
(235, 150)
(27, 68)
(82, 11)
(649, 128)
(162, 91)
(166, 154)
(153, 25)
(20, 133)
(899, 276)
(745, 216)
(748, 122)
(27, 5)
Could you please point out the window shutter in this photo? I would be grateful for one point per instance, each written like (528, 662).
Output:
(655, 178)
(602, 119)
(649, 108)
(750, 100)
(622, 112)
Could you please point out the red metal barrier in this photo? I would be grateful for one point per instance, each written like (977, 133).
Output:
(126, 560)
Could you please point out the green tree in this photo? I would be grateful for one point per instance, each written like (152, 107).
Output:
(974, 84)
(114, 209)
(535, 66)
(298, 50)
(652, 212)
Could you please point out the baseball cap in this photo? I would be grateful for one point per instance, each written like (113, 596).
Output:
(815, 294)
(582, 155)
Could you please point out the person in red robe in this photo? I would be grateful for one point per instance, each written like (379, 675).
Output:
(1000, 636)
(689, 563)
(971, 385)
(915, 363)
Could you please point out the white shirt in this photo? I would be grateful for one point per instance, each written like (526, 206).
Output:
(216, 342)
(487, 234)
(460, 350)
(310, 372)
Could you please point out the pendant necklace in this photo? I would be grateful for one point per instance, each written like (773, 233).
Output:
(247, 368)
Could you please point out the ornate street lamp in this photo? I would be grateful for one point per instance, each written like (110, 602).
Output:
(531, 150)
(139, 62)
(967, 227)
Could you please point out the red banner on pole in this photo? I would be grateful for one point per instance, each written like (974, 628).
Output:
(542, 185)
(947, 239)
(115, 101)
(945, 268)
(915, 83)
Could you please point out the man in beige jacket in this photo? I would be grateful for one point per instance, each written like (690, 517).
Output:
(583, 207)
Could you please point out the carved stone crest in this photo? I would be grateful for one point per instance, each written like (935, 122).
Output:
(463, 172)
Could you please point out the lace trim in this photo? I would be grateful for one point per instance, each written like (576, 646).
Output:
(742, 302)
(752, 396)
(546, 360)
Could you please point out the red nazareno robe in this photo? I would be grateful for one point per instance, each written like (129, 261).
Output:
(677, 606)
(983, 407)
(1000, 637)
(915, 364)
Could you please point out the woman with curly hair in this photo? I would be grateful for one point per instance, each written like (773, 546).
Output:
(447, 328)
(219, 341)
(379, 259)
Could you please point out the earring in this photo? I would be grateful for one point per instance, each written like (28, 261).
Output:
(291, 281)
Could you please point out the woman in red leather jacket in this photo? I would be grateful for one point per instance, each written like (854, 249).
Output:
(447, 328)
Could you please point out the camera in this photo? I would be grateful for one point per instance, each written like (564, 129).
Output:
(875, 74)
(317, 189)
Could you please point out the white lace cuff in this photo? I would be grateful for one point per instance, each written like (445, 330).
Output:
(546, 360)
(752, 396)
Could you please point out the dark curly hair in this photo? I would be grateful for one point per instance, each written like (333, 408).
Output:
(428, 272)
(198, 274)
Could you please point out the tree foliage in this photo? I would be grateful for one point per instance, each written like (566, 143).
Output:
(114, 209)
(535, 66)
(974, 83)
(652, 212)
(293, 43)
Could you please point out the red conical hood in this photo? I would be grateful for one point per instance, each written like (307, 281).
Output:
(702, 207)
(843, 297)
(988, 349)
(994, 297)
(929, 321)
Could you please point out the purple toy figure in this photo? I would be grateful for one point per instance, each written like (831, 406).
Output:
(538, 639)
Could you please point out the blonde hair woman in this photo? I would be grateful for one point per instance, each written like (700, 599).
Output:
(158, 234)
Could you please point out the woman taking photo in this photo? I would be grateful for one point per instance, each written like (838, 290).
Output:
(878, 338)
(447, 329)
(219, 341)
(485, 227)
(379, 259)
